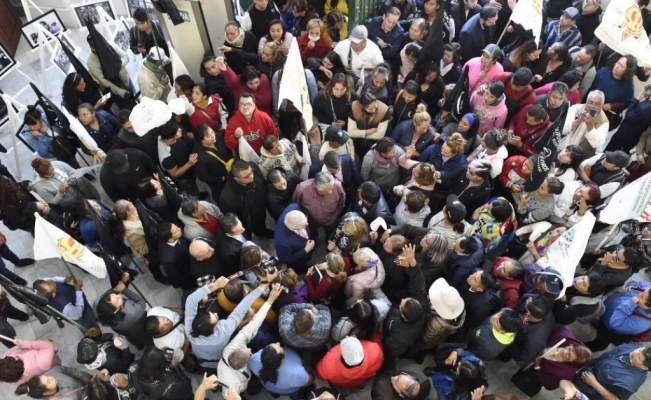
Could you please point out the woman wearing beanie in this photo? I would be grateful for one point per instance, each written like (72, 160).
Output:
(27, 359)
(493, 150)
(468, 127)
(104, 356)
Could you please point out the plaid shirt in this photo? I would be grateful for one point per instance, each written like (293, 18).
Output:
(552, 32)
(319, 334)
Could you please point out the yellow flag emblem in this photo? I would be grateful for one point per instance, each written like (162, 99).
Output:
(633, 23)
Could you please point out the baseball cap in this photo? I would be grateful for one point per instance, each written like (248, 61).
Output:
(455, 209)
(158, 54)
(352, 351)
(445, 299)
(618, 158)
(522, 77)
(493, 51)
(552, 280)
(358, 34)
(334, 133)
(572, 13)
(117, 161)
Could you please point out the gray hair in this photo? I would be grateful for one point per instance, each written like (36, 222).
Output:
(560, 87)
(295, 219)
(323, 180)
(597, 93)
(437, 247)
(189, 205)
(332, 159)
(381, 72)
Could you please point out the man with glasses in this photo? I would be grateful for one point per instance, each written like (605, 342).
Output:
(586, 124)
(244, 195)
(250, 123)
(614, 264)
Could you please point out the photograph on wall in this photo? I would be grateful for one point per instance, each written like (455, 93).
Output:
(89, 11)
(133, 4)
(20, 134)
(6, 62)
(121, 35)
(50, 21)
(59, 57)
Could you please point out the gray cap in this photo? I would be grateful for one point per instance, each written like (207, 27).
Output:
(493, 51)
(358, 34)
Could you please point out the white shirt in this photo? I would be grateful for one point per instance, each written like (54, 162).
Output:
(371, 55)
(175, 339)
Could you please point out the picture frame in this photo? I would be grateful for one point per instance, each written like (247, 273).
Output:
(121, 36)
(50, 19)
(6, 61)
(59, 57)
(133, 4)
(19, 136)
(88, 10)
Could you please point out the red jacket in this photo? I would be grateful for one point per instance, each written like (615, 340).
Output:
(510, 287)
(332, 369)
(513, 163)
(262, 94)
(320, 50)
(260, 126)
(523, 98)
(323, 288)
(212, 111)
(528, 133)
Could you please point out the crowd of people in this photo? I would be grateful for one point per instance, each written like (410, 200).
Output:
(436, 234)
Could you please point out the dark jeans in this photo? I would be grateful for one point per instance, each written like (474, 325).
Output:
(7, 310)
(8, 255)
(87, 319)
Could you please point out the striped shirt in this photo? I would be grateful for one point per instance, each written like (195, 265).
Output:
(571, 37)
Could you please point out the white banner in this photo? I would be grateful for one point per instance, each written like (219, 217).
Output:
(52, 242)
(178, 68)
(566, 252)
(630, 202)
(528, 13)
(621, 30)
(81, 132)
(293, 85)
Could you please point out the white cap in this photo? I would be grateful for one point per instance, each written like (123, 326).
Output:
(154, 54)
(352, 351)
(445, 299)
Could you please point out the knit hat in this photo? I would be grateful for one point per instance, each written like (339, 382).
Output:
(470, 117)
(494, 139)
(522, 77)
(571, 13)
(352, 351)
(617, 158)
(87, 351)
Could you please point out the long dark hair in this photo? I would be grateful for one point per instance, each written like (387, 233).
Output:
(32, 116)
(337, 64)
(106, 312)
(152, 365)
(69, 85)
(271, 361)
(471, 376)
(9, 192)
(576, 154)
(32, 387)
(100, 390)
(276, 22)
(365, 316)
(631, 65)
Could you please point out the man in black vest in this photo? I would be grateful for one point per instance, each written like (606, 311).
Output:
(67, 299)
(606, 170)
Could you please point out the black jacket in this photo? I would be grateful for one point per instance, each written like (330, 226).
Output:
(209, 169)
(247, 202)
(174, 260)
(211, 266)
(532, 339)
(117, 361)
(125, 186)
(431, 271)
(478, 305)
(229, 249)
(370, 214)
(472, 197)
(147, 143)
(350, 173)
(458, 14)
(260, 19)
(277, 200)
(587, 23)
(398, 335)
(217, 85)
(173, 385)
(250, 45)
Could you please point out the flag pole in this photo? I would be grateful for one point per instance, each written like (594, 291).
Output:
(508, 23)
(8, 339)
(74, 278)
(605, 239)
(67, 319)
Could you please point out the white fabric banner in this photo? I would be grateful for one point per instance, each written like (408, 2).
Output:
(246, 152)
(52, 242)
(305, 150)
(528, 13)
(178, 68)
(621, 30)
(293, 85)
(82, 133)
(630, 202)
(566, 252)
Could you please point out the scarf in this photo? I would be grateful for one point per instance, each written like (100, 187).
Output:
(99, 361)
(239, 41)
(446, 68)
(203, 103)
(378, 159)
(158, 71)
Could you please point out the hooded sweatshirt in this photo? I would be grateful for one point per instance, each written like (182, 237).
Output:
(331, 368)
(487, 343)
(260, 126)
(490, 116)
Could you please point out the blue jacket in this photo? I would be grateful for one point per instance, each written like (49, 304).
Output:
(450, 170)
(403, 134)
(290, 246)
(349, 172)
(393, 38)
(40, 144)
(473, 39)
(461, 266)
(619, 316)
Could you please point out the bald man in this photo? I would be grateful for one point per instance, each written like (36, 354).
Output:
(204, 261)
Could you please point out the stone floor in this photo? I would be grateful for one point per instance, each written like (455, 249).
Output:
(21, 243)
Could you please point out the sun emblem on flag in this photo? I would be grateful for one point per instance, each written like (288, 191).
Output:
(70, 246)
(633, 26)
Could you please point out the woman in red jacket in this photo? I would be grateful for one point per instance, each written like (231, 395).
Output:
(206, 109)
(251, 81)
(330, 277)
(312, 44)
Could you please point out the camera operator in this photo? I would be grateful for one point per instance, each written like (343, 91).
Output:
(208, 334)
(156, 376)
(586, 124)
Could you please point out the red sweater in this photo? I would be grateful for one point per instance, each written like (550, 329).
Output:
(513, 163)
(320, 50)
(260, 126)
(317, 292)
(528, 133)
(262, 94)
(510, 287)
(212, 111)
(332, 369)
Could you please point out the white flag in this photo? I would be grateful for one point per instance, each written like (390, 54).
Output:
(52, 242)
(178, 68)
(246, 152)
(621, 30)
(630, 202)
(293, 85)
(528, 13)
(566, 252)
(301, 140)
(82, 133)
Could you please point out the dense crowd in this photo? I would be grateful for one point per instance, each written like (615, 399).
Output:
(436, 229)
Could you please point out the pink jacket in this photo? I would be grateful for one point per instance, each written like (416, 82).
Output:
(38, 356)
(489, 116)
(358, 284)
(474, 69)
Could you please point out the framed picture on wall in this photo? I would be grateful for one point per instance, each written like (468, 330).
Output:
(59, 57)
(50, 21)
(20, 134)
(6, 62)
(133, 4)
(121, 36)
(89, 11)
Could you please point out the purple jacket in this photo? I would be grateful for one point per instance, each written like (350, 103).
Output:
(298, 295)
(551, 373)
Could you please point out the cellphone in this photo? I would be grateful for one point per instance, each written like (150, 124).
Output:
(647, 91)
(593, 113)
(106, 97)
(169, 354)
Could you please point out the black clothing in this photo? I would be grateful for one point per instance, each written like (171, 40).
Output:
(217, 85)
(209, 168)
(174, 260)
(125, 186)
(137, 38)
(250, 45)
(277, 200)
(247, 202)
(458, 14)
(173, 385)
(117, 360)
(587, 23)
(472, 197)
(637, 120)
(328, 109)
(229, 249)
(260, 19)
(147, 143)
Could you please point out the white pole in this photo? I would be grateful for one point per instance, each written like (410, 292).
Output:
(7, 339)
(15, 125)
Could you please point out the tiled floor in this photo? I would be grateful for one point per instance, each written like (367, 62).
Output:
(22, 244)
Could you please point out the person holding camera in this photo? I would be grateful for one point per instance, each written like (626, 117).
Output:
(208, 334)
(54, 183)
(586, 124)
(156, 376)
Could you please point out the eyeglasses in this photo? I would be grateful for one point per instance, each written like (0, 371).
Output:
(246, 105)
(593, 103)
